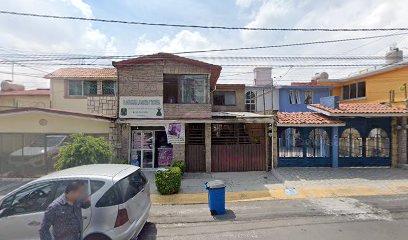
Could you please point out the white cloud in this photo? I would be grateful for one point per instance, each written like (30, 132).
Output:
(39, 35)
(184, 40)
(245, 3)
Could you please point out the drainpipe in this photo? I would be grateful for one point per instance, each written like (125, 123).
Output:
(273, 129)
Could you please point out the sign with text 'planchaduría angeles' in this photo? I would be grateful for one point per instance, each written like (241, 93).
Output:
(141, 107)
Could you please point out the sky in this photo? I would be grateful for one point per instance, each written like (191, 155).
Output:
(27, 35)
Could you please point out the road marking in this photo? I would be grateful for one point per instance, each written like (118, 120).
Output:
(350, 207)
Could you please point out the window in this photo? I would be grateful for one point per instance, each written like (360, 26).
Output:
(361, 89)
(108, 87)
(294, 97)
(355, 90)
(350, 143)
(377, 143)
(318, 143)
(75, 88)
(346, 92)
(308, 97)
(290, 143)
(123, 190)
(31, 199)
(224, 98)
(185, 88)
(250, 101)
(62, 185)
(90, 88)
(82, 88)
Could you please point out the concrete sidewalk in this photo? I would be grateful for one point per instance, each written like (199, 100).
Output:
(290, 183)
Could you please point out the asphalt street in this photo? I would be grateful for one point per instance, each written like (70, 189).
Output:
(377, 217)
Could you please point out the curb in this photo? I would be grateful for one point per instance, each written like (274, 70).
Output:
(282, 194)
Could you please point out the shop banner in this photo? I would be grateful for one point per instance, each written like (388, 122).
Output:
(141, 107)
(175, 133)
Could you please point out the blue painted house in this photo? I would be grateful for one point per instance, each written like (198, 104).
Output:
(337, 135)
(295, 98)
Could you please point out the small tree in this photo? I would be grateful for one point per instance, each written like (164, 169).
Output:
(82, 150)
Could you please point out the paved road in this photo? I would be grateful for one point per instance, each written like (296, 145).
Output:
(379, 217)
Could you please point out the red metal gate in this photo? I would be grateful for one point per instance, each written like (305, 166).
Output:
(238, 147)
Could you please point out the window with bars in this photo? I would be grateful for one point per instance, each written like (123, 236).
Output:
(82, 88)
(108, 87)
(237, 133)
(290, 143)
(350, 143)
(377, 143)
(318, 143)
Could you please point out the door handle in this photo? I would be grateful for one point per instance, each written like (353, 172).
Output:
(33, 223)
(84, 217)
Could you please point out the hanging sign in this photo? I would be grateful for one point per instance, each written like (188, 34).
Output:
(175, 133)
(141, 107)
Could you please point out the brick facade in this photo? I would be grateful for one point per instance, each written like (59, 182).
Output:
(147, 80)
(239, 90)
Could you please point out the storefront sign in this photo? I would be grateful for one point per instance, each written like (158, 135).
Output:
(141, 107)
(175, 133)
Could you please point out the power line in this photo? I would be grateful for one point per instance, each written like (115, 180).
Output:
(291, 44)
(203, 26)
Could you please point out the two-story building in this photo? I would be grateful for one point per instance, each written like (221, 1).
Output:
(170, 108)
(385, 84)
(285, 98)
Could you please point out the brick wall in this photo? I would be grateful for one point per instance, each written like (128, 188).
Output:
(239, 99)
(101, 105)
(147, 80)
(141, 80)
(179, 111)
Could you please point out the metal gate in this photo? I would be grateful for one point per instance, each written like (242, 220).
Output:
(195, 147)
(238, 147)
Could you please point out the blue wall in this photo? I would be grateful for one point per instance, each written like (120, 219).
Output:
(284, 103)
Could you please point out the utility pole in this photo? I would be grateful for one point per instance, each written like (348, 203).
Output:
(273, 132)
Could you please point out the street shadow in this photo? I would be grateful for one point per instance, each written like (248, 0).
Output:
(228, 216)
(149, 232)
(327, 174)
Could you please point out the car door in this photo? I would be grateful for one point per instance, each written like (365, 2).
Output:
(134, 194)
(22, 212)
(86, 212)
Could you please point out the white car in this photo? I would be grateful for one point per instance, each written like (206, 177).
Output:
(120, 202)
(34, 152)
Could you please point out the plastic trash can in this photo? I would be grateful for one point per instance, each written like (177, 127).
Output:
(216, 196)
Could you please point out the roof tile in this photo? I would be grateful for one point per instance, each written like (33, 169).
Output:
(84, 73)
(361, 108)
(305, 118)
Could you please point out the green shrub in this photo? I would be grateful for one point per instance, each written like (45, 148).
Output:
(179, 164)
(82, 150)
(120, 161)
(168, 181)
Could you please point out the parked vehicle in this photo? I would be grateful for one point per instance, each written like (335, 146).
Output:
(34, 152)
(119, 195)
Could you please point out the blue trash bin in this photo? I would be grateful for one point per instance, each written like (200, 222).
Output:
(216, 196)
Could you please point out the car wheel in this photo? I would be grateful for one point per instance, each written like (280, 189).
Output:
(97, 237)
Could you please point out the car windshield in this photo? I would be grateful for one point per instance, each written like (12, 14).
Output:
(51, 141)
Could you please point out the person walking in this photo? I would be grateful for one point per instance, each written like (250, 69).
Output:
(64, 214)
